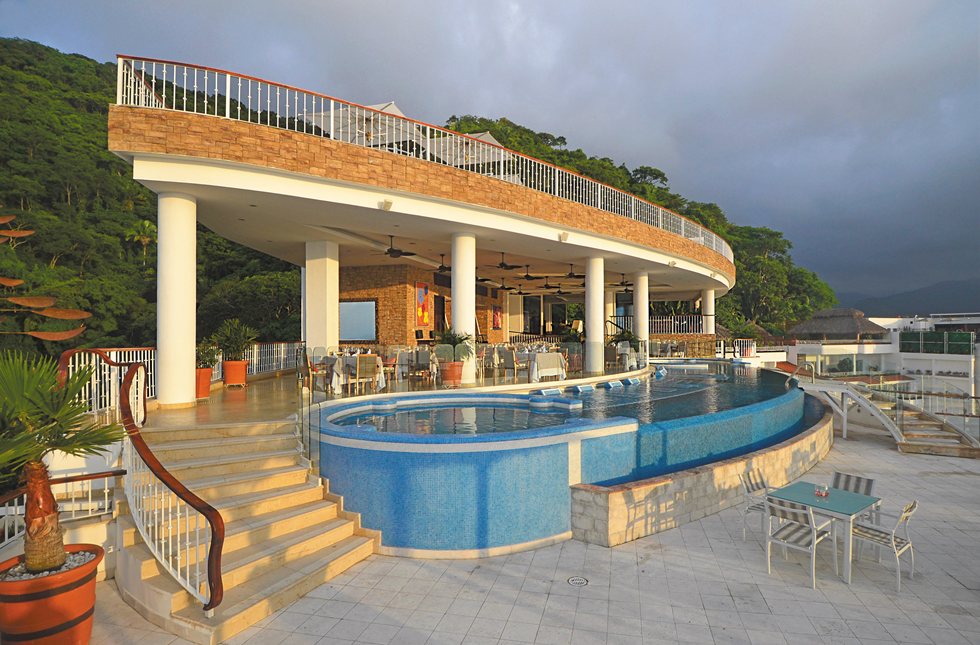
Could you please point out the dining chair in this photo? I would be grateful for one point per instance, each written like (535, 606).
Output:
(796, 529)
(864, 486)
(365, 371)
(881, 536)
(756, 489)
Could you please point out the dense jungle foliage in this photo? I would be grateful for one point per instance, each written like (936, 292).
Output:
(94, 247)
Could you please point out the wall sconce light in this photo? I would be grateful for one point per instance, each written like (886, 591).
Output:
(672, 263)
(563, 236)
(386, 205)
(712, 275)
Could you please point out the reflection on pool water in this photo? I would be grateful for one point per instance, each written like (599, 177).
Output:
(687, 390)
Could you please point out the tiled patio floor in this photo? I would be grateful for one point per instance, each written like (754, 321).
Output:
(699, 583)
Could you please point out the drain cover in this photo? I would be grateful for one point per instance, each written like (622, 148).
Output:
(577, 581)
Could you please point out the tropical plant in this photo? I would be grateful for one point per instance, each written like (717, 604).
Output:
(206, 354)
(143, 233)
(625, 336)
(234, 339)
(42, 412)
(462, 343)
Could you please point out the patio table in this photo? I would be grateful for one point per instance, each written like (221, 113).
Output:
(345, 367)
(547, 364)
(841, 505)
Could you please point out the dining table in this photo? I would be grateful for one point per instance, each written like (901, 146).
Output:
(544, 364)
(344, 368)
(843, 506)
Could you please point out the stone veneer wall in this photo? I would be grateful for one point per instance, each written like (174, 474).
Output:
(613, 515)
(698, 345)
(134, 130)
(393, 287)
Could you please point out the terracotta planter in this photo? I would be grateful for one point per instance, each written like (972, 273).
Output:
(451, 373)
(234, 372)
(203, 382)
(53, 610)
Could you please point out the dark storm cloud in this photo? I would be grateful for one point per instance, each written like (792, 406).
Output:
(851, 126)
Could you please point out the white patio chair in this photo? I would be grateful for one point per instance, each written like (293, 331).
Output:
(756, 489)
(796, 529)
(864, 486)
(881, 536)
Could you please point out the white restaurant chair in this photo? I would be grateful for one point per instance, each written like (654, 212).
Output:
(756, 489)
(796, 529)
(882, 536)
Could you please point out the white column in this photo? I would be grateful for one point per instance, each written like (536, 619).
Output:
(708, 310)
(641, 305)
(321, 289)
(176, 298)
(545, 316)
(594, 320)
(464, 294)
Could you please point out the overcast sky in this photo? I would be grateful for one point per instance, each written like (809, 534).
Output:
(853, 126)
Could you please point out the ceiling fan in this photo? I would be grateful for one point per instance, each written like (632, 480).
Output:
(504, 287)
(442, 264)
(479, 279)
(506, 267)
(624, 282)
(562, 293)
(527, 274)
(549, 286)
(571, 273)
(520, 290)
(392, 252)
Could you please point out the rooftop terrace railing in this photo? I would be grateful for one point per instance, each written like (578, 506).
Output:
(153, 83)
(937, 342)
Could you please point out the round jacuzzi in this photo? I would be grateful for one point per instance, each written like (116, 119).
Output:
(456, 474)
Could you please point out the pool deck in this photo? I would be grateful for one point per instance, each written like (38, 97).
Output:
(699, 583)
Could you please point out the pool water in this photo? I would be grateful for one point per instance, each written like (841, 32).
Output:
(455, 419)
(687, 390)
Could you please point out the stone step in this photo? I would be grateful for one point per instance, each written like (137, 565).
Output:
(242, 533)
(253, 557)
(947, 450)
(156, 436)
(229, 464)
(252, 505)
(223, 486)
(263, 595)
(175, 451)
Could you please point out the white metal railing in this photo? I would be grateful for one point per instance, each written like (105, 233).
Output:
(681, 324)
(77, 500)
(102, 391)
(145, 82)
(936, 397)
(744, 347)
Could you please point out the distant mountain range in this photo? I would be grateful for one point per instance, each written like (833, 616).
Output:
(951, 296)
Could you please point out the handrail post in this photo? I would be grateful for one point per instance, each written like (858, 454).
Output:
(227, 96)
(119, 80)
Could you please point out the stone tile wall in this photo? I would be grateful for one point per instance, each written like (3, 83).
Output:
(613, 515)
(150, 130)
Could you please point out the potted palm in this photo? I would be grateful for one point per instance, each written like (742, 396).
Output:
(234, 339)
(206, 356)
(47, 594)
(451, 372)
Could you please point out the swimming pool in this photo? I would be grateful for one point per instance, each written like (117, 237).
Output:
(467, 492)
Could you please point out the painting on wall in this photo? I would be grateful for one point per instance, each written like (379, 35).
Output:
(498, 317)
(423, 318)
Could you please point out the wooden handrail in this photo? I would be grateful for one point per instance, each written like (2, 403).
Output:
(213, 517)
(105, 474)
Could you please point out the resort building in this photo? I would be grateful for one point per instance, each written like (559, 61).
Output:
(421, 226)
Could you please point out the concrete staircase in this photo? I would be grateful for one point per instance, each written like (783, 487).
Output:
(285, 533)
(925, 434)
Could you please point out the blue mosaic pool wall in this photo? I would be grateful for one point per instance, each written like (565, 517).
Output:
(669, 446)
(454, 500)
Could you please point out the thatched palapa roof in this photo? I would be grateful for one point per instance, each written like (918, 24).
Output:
(837, 324)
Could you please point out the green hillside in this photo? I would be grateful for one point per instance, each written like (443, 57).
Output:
(94, 247)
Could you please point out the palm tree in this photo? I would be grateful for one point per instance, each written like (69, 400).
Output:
(40, 413)
(144, 233)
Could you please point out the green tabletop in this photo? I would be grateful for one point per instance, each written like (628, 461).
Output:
(839, 502)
